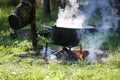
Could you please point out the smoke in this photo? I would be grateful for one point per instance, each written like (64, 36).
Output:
(106, 21)
(71, 16)
(88, 14)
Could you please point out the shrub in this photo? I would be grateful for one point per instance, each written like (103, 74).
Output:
(9, 2)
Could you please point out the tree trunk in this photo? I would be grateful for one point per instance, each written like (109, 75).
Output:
(46, 8)
(63, 4)
(116, 5)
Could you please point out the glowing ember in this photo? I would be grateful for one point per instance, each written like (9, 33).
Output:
(82, 55)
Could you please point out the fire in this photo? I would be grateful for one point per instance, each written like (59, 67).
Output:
(81, 54)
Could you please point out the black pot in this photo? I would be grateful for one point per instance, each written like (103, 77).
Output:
(64, 36)
(68, 37)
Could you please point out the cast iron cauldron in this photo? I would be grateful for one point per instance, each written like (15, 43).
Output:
(68, 37)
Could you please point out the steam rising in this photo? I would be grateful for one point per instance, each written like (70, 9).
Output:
(71, 16)
(84, 13)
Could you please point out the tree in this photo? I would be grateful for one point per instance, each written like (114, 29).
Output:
(58, 3)
(9, 2)
(116, 5)
(62, 3)
(51, 4)
(46, 9)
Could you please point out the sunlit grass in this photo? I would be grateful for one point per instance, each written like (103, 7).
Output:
(53, 71)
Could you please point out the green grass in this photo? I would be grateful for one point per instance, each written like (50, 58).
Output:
(54, 71)
(33, 68)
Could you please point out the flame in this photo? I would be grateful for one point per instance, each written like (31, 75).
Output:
(81, 54)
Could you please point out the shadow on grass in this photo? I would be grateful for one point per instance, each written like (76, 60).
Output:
(4, 25)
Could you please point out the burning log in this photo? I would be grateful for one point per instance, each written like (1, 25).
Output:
(81, 55)
(70, 55)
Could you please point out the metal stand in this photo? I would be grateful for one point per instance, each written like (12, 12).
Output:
(69, 54)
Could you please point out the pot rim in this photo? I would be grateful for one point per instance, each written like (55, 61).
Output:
(89, 27)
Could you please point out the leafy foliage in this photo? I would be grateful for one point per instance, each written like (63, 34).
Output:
(9, 2)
